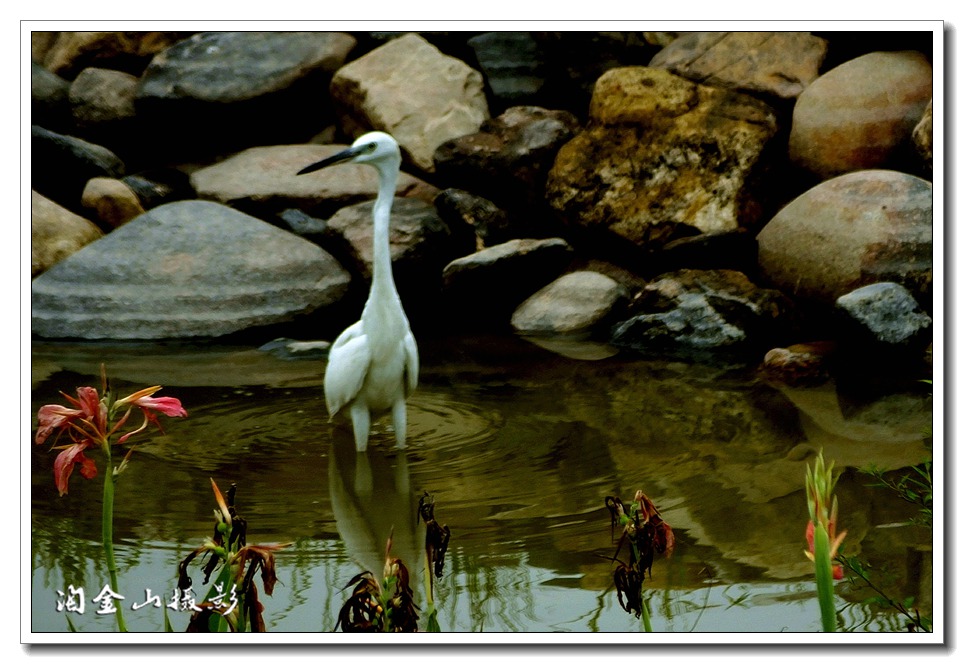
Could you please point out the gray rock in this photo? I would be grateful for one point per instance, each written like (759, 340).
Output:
(513, 64)
(693, 325)
(574, 304)
(509, 158)
(488, 285)
(291, 349)
(887, 315)
(236, 89)
(227, 67)
(411, 90)
(185, 269)
(704, 310)
(158, 186)
(55, 233)
(853, 230)
(861, 114)
(663, 158)
(777, 64)
(48, 99)
(61, 166)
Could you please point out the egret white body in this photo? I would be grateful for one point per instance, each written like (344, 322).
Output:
(373, 364)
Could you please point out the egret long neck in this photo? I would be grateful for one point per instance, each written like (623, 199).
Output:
(383, 284)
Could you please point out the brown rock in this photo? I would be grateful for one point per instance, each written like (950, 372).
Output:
(410, 89)
(780, 64)
(860, 114)
(924, 136)
(55, 233)
(100, 96)
(853, 230)
(800, 364)
(265, 179)
(112, 201)
(662, 158)
(71, 52)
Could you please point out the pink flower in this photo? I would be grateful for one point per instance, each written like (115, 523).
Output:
(149, 406)
(87, 426)
(65, 462)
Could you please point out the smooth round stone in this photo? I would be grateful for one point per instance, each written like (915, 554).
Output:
(572, 304)
(853, 230)
(860, 114)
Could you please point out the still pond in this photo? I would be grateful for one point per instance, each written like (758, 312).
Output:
(519, 445)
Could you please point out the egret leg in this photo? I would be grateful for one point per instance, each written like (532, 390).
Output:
(360, 422)
(364, 483)
(399, 420)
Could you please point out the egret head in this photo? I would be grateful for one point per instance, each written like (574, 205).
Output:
(375, 148)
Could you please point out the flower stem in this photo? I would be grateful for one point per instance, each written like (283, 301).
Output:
(107, 530)
(824, 574)
(647, 625)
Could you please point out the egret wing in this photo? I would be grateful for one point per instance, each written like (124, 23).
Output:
(348, 362)
(411, 362)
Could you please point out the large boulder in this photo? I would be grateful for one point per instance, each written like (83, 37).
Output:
(853, 230)
(862, 114)
(235, 89)
(663, 158)
(185, 269)
(411, 90)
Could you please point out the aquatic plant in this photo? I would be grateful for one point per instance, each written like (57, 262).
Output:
(648, 536)
(90, 425)
(231, 602)
(385, 606)
(388, 605)
(823, 541)
(436, 544)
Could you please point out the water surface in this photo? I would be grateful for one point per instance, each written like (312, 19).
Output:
(519, 446)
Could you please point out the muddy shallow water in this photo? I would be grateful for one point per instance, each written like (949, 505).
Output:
(519, 446)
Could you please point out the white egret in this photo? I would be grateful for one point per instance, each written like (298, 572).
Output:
(373, 364)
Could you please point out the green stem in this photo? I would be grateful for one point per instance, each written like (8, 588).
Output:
(824, 574)
(647, 626)
(428, 581)
(107, 530)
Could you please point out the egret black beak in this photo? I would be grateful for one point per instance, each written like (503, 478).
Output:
(344, 155)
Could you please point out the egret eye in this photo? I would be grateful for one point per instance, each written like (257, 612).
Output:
(370, 147)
